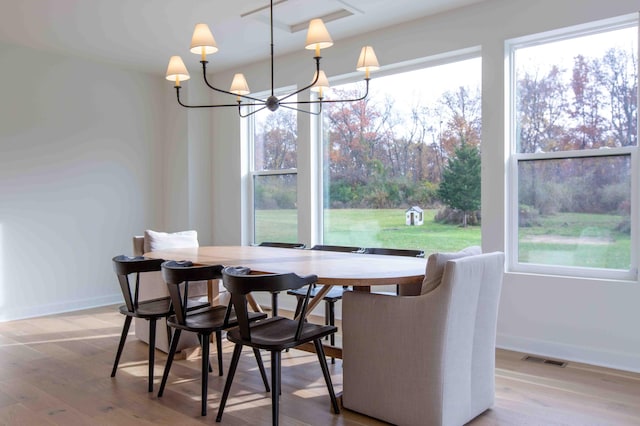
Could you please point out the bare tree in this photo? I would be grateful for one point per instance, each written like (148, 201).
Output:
(620, 80)
(541, 106)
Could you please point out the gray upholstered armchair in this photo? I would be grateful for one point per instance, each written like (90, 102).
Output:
(427, 359)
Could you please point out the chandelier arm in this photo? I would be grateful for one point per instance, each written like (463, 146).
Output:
(198, 106)
(204, 76)
(332, 101)
(317, 58)
(249, 113)
(303, 110)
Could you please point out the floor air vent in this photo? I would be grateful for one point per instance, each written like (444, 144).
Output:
(539, 360)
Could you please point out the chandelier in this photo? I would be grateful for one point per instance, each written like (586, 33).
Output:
(318, 37)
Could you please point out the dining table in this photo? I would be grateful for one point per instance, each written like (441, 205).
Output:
(357, 270)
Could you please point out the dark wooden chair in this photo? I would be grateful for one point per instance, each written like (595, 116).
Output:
(204, 322)
(331, 297)
(343, 249)
(282, 245)
(273, 334)
(274, 296)
(394, 252)
(150, 310)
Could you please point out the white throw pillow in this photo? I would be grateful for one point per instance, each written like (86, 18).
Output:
(436, 263)
(154, 241)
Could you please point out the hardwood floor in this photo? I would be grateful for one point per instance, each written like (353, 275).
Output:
(55, 370)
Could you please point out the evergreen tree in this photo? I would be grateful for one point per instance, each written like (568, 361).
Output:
(460, 186)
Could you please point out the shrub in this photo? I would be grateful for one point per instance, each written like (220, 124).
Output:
(447, 215)
(528, 216)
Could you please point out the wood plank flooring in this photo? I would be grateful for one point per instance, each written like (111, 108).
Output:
(55, 371)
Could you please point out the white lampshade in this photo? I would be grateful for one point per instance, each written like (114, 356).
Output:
(239, 85)
(317, 36)
(367, 60)
(322, 83)
(202, 41)
(176, 71)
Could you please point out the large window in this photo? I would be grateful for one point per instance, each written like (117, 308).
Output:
(274, 175)
(574, 166)
(402, 167)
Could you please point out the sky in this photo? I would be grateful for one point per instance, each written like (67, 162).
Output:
(563, 52)
(426, 85)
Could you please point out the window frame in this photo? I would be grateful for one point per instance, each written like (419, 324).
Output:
(250, 126)
(512, 207)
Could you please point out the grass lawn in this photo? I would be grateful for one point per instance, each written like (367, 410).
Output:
(577, 239)
(568, 239)
(370, 228)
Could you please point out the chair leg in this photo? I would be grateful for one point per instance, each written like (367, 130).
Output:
(279, 372)
(274, 304)
(276, 387)
(219, 349)
(263, 373)
(205, 372)
(237, 350)
(332, 321)
(200, 341)
(152, 351)
(123, 338)
(327, 319)
(327, 376)
(172, 353)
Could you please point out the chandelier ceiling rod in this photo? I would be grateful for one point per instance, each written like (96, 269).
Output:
(318, 38)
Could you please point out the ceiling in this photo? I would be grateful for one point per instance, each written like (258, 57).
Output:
(143, 34)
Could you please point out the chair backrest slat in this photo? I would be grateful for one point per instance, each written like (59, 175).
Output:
(303, 312)
(136, 295)
(126, 292)
(179, 309)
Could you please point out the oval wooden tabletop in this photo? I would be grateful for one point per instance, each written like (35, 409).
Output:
(335, 268)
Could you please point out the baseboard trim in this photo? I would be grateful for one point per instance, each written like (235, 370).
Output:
(582, 354)
(9, 314)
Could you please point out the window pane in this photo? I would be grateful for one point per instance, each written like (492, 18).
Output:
(575, 108)
(575, 212)
(275, 208)
(578, 93)
(389, 153)
(275, 139)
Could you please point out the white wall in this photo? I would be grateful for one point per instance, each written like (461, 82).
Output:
(91, 154)
(594, 321)
(81, 157)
